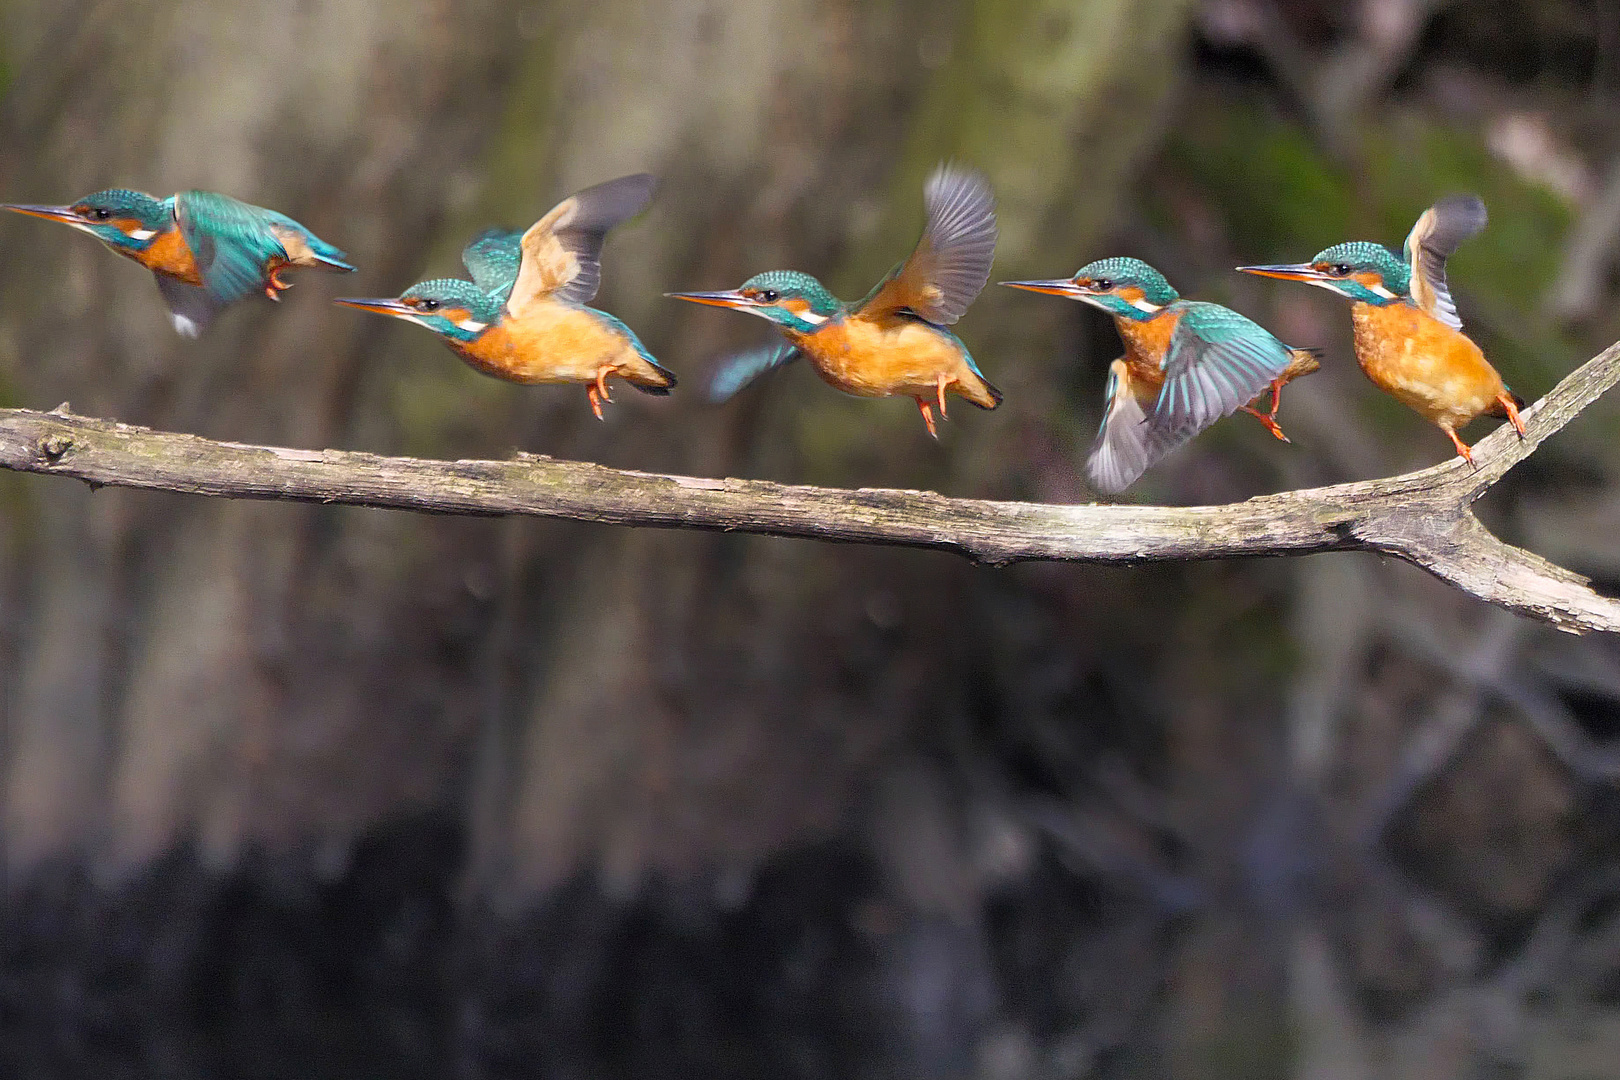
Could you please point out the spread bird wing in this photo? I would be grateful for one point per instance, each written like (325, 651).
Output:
(562, 251)
(191, 307)
(493, 259)
(1126, 445)
(1439, 232)
(230, 240)
(951, 262)
(1218, 361)
(737, 371)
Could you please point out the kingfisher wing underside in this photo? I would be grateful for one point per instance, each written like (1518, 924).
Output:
(493, 258)
(562, 251)
(231, 240)
(736, 372)
(1218, 361)
(1439, 232)
(1126, 444)
(191, 307)
(951, 263)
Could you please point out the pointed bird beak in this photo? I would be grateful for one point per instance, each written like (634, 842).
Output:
(49, 213)
(1288, 272)
(381, 305)
(1054, 287)
(729, 298)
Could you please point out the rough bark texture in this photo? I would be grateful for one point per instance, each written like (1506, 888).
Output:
(1422, 517)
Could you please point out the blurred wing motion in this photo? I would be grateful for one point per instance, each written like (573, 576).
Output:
(562, 251)
(493, 259)
(736, 372)
(233, 243)
(951, 262)
(191, 307)
(1217, 361)
(1436, 236)
(1126, 444)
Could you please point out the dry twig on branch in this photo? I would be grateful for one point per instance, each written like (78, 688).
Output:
(1424, 517)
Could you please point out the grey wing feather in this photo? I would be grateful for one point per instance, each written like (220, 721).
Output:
(1125, 445)
(962, 230)
(599, 209)
(191, 307)
(951, 263)
(1439, 232)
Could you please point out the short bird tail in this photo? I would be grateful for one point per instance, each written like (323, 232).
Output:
(657, 379)
(983, 394)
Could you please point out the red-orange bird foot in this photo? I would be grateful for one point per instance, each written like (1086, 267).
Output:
(928, 416)
(1506, 401)
(1462, 447)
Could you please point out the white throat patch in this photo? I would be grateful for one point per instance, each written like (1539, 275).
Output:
(472, 326)
(1144, 305)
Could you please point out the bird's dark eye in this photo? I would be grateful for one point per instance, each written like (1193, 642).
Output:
(1102, 284)
(100, 213)
(430, 305)
(1341, 269)
(770, 296)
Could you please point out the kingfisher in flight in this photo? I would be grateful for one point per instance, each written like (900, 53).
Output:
(1409, 339)
(1187, 364)
(206, 250)
(523, 316)
(894, 342)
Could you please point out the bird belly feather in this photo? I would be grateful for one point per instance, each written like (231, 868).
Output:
(1429, 367)
(551, 343)
(888, 357)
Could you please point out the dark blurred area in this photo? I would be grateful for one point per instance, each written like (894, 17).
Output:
(293, 791)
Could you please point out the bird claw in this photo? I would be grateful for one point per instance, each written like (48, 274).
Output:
(1462, 447)
(1269, 420)
(596, 401)
(941, 384)
(928, 417)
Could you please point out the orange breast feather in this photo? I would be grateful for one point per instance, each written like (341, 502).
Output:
(883, 357)
(552, 343)
(1424, 363)
(168, 254)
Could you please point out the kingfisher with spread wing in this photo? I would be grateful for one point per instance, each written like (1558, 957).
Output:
(894, 342)
(1409, 339)
(523, 316)
(206, 250)
(1187, 364)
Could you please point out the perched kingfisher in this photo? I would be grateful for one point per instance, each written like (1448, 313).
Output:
(894, 341)
(206, 250)
(1409, 340)
(523, 317)
(1187, 364)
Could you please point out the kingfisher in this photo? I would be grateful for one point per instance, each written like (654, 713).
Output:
(523, 316)
(1187, 364)
(894, 342)
(206, 250)
(1409, 339)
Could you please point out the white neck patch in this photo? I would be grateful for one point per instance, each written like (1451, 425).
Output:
(472, 326)
(143, 234)
(1144, 305)
(1381, 291)
(810, 317)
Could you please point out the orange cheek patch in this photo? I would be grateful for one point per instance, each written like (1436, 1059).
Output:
(1369, 279)
(168, 254)
(1130, 293)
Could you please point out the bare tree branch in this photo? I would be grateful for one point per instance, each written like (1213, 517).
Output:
(1423, 517)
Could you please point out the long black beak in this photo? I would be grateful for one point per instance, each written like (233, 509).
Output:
(1288, 272)
(1052, 286)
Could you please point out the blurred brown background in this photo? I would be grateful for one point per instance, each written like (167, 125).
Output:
(293, 791)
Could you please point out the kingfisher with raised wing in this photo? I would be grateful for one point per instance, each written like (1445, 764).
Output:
(1187, 364)
(1409, 338)
(206, 250)
(894, 342)
(523, 316)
